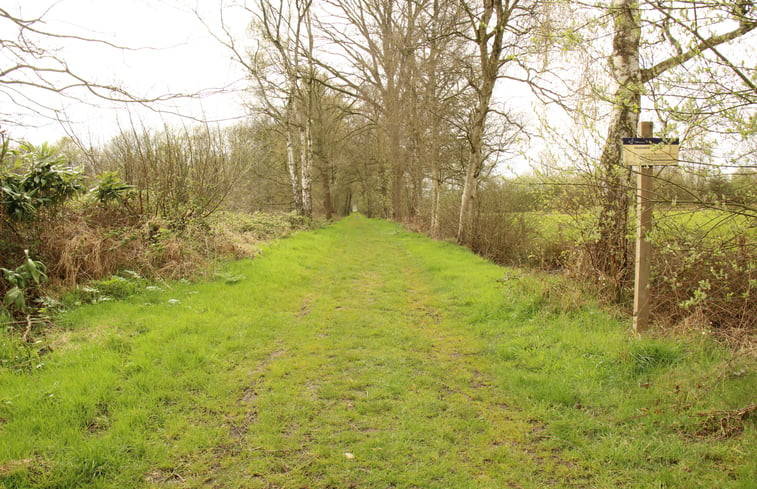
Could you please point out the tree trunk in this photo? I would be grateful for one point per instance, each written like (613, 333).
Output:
(470, 190)
(475, 160)
(291, 159)
(348, 203)
(397, 165)
(612, 249)
(306, 166)
(306, 128)
(489, 40)
(328, 206)
(436, 187)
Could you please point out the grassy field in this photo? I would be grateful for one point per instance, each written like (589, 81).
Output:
(363, 356)
(709, 222)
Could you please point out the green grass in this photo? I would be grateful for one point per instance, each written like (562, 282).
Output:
(712, 223)
(364, 356)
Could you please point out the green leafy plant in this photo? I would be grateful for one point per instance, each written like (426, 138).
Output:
(114, 287)
(24, 282)
(42, 178)
(109, 188)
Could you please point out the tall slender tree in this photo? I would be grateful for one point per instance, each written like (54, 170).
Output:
(281, 70)
(497, 29)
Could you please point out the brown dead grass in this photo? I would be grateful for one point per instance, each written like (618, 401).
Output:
(15, 466)
(81, 245)
(79, 248)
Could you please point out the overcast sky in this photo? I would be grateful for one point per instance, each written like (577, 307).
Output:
(172, 52)
(175, 54)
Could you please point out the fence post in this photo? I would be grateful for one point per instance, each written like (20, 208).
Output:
(644, 204)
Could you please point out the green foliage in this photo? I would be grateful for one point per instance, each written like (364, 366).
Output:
(17, 356)
(32, 179)
(706, 278)
(109, 188)
(18, 204)
(40, 178)
(112, 288)
(229, 278)
(24, 282)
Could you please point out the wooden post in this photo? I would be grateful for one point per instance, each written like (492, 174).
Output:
(643, 247)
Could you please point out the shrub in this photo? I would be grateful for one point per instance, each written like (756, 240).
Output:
(109, 188)
(34, 180)
(712, 287)
(24, 282)
(176, 174)
(42, 179)
(704, 263)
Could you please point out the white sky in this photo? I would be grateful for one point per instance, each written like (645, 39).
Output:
(180, 56)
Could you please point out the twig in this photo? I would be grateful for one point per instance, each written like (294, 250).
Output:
(28, 329)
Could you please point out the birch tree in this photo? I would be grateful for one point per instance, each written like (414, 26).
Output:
(281, 70)
(688, 30)
(442, 79)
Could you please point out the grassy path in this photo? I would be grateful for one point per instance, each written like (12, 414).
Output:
(361, 356)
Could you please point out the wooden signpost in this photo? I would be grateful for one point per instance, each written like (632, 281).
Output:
(645, 152)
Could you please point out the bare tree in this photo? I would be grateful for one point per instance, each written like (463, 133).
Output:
(394, 55)
(32, 69)
(176, 173)
(496, 28)
(443, 96)
(281, 68)
(281, 26)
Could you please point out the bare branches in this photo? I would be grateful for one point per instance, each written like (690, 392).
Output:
(703, 44)
(37, 82)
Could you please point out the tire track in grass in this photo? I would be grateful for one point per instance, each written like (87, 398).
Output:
(380, 387)
(473, 383)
